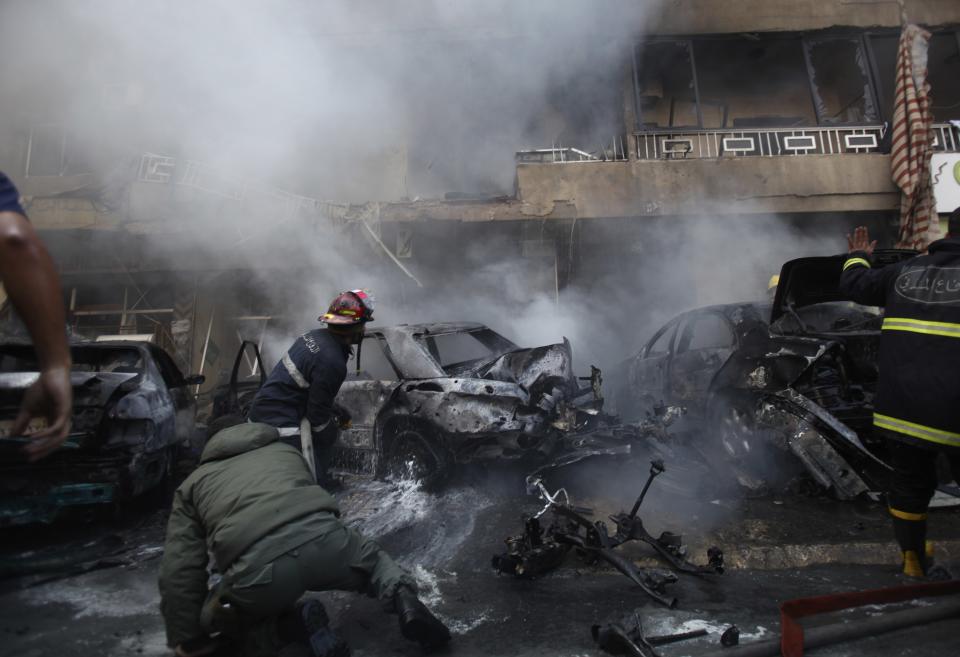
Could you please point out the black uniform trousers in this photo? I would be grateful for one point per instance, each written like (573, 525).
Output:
(914, 478)
(912, 484)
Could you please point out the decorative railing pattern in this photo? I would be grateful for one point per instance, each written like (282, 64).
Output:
(775, 142)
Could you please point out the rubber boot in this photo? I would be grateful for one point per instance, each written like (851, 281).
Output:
(416, 621)
(912, 564)
(911, 534)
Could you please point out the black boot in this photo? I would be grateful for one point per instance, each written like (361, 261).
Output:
(317, 633)
(416, 621)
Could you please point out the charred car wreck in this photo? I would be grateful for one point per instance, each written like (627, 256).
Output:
(538, 550)
(786, 388)
(427, 397)
(132, 412)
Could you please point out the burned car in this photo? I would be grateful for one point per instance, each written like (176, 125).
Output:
(784, 389)
(132, 411)
(428, 396)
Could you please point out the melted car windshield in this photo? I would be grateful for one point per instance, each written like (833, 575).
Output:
(22, 358)
(461, 351)
(830, 317)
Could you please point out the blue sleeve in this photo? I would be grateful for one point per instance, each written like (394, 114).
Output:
(9, 196)
(860, 283)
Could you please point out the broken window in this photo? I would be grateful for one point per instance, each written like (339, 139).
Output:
(943, 73)
(171, 374)
(20, 358)
(660, 345)
(754, 83)
(374, 364)
(883, 50)
(706, 331)
(841, 81)
(666, 85)
(454, 350)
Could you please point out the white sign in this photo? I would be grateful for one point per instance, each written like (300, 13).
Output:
(945, 170)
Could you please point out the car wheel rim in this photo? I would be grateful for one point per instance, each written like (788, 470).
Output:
(412, 457)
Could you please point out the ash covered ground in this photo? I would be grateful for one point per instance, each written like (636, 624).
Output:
(89, 587)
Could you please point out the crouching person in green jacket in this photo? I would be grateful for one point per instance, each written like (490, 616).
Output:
(274, 534)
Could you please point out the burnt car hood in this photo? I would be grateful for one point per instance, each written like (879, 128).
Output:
(806, 281)
(537, 370)
(89, 388)
(770, 363)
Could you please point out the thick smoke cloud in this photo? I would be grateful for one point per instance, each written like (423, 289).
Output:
(316, 97)
(345, 101)
(381, 100)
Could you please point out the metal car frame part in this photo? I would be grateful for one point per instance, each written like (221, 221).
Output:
(535, 552)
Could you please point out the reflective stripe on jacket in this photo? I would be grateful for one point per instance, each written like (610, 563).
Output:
(918, 394)
(303, 384)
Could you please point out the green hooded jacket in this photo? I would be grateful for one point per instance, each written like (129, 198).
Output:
(246, 486)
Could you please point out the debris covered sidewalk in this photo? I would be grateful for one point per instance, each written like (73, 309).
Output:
(113, 611)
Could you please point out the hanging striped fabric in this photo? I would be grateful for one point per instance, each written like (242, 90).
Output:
(912, 139)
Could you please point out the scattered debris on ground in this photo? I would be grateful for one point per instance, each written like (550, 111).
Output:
(540, 550)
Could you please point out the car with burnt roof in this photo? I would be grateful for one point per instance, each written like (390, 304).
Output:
(777, 392)
(424, 397)
(133, 411)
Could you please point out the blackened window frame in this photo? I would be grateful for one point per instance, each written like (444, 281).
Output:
(885, 95)
(688, 44)
(864, 37)
(809, 39)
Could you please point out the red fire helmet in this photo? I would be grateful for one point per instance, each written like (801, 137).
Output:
(350, 307)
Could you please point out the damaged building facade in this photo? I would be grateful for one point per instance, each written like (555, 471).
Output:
(766, 113)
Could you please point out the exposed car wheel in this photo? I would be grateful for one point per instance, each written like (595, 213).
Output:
(414, 452)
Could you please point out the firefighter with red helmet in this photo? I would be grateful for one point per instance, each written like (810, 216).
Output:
(298, 396)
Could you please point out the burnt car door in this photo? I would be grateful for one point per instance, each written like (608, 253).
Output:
(236, 397)
(704, 342)
(363, 394)
(646, 380)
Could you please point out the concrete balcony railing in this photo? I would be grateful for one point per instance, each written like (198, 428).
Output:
(680, 144)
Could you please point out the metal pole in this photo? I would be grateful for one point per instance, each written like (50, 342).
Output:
(390, 254)
(826, 635)
(696, 84)
(203, 356)
(26, 169)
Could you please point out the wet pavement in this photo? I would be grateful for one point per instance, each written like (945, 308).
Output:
(93, 589)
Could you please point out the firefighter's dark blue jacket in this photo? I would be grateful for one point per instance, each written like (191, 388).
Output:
(303, 384)
(918, 394)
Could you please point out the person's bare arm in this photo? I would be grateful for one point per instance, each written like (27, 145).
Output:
(33, 286)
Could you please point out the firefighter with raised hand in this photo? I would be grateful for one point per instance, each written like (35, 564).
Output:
(918, 393)
(298, 396)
